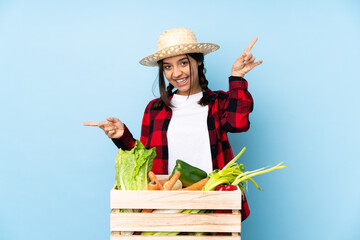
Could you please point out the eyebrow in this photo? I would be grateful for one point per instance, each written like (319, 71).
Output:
(177, 60)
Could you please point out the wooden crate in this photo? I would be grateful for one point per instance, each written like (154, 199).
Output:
(222, 226)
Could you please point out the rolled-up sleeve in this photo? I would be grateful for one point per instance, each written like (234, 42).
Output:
(236, 106)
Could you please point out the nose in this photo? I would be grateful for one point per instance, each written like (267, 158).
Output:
(177, 72)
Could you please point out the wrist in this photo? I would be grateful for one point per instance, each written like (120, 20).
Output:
(237, 74)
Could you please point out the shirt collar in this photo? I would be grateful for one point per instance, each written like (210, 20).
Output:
(212, 95)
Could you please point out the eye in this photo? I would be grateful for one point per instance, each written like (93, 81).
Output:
(167, 67)
(184, 63)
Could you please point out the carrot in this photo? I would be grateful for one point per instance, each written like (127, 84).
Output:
(152, 186)
(169, 185)
(152, 177)
(196, 186)
(146, 210)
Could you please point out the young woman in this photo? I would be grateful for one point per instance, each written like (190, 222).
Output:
(190, 123)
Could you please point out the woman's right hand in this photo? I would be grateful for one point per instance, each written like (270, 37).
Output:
(245, 62)
(113, 127)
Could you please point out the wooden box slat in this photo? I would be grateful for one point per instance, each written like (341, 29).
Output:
(117, 236)
(175, 222)
(175, 200)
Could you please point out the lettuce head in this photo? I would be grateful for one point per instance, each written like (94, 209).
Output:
(132, 167)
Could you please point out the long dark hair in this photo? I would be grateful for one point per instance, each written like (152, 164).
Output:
(166, 92)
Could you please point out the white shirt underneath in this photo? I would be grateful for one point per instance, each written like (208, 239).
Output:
(188, 135)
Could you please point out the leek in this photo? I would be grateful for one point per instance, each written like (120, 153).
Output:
(234, 174)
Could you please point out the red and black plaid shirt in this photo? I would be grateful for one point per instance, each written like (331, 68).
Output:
(228, 112)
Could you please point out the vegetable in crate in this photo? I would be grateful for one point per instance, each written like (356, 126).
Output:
(132, 168)
(189, 174)
(234, 174)
(196, 186)
(172, 181)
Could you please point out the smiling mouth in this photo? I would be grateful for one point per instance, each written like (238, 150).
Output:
(181, 80)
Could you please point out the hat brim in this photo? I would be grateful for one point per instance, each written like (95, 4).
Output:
(176, 50)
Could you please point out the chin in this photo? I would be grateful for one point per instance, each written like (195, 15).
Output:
(183, 92)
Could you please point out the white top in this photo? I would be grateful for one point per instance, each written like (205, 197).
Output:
(188, 135)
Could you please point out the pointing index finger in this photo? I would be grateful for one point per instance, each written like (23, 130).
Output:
(93, 124)
(252, 43)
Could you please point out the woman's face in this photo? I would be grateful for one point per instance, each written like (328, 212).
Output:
(177, 72)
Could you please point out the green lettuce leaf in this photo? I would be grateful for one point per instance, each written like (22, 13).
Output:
(132, 167)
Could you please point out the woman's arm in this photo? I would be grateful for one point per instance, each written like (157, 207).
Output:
(235, 106)
(127, 141)
(237, 103)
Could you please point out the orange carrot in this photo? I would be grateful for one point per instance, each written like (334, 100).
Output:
(152, 185)
(169, 185)
(153, 178)
(196, 186)
(146, 211)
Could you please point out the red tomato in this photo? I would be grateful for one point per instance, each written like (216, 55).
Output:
(230, 188)
(220, 188)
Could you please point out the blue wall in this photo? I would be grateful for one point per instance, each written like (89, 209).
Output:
(66, 62)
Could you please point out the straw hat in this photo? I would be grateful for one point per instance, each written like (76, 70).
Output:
(175, 42)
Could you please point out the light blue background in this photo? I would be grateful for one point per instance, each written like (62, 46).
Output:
(66, 62)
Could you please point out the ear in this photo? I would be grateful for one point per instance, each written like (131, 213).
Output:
(199, 63)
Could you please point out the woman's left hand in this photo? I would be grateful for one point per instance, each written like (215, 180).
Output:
(245, 62)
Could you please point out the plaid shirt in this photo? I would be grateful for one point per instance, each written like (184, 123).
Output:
(228, 112)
